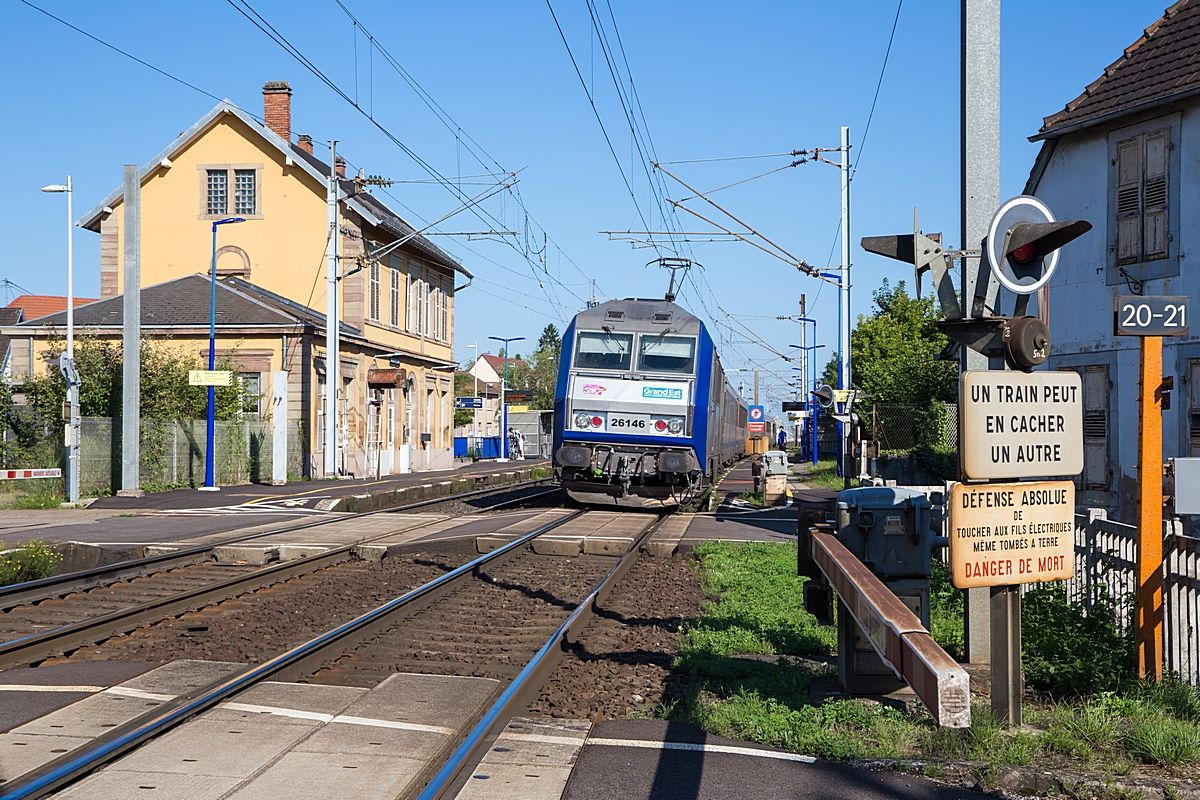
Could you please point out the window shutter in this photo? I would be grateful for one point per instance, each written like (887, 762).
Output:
(373, 291)
(394, 288)
(1193, 378)
(1129, 176)
(424, 304)
(414, 292)
(1095, 428)
(1158, 147)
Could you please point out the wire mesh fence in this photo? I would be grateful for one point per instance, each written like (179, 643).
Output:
(173, 452)
(903, 427)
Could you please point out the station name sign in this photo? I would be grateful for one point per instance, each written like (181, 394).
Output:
(1020, 424)
(1007, 533)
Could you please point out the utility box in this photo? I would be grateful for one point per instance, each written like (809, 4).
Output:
(775, 462)
(775, 472)
(889, 529)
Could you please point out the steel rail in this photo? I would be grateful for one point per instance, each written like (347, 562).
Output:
(44, 644)
(100, 751)
(530, 679)
(60, 585)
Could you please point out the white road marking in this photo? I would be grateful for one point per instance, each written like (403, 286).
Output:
(344, 719)
(124, 691)
(404, 726)
(543, 739)
(702, 748)
(25, 687)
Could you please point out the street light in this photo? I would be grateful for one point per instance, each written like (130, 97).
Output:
(475, 395)
(67, 362)
(503, 389)
(209, 472)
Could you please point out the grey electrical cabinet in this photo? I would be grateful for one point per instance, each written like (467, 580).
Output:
(889, 529)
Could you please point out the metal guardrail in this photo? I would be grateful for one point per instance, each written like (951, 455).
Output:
(895, 632)
(110, 746)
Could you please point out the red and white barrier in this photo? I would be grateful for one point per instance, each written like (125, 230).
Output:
(25, 474)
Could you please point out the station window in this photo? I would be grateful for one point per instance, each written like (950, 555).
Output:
(251, 386)
(604, 350)
(230, 189)
(675, 354)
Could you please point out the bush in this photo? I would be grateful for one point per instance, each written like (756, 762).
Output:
(28, 562)
(946, 610)
(1068, 652)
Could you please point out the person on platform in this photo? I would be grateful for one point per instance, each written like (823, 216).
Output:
(782, 439)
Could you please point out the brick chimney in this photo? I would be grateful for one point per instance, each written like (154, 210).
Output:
(277, 108)
(340, 163)
(304, 141)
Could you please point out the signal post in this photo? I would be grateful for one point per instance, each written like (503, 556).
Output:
(1150, 318)
(1014, 423)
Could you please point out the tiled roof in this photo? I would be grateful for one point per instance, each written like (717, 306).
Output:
(39, 305)
(183, 302)
(497, 363)
(1164, 64)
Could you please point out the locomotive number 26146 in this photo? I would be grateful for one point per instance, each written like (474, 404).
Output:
(627, 422)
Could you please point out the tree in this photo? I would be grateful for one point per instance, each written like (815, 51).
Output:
(464, 386)
(543, 373)
(893, 351)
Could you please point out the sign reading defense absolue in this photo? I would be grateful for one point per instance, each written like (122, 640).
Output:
(1006, 533)
(1021, 424)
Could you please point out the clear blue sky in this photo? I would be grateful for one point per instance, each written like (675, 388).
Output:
(714, 80)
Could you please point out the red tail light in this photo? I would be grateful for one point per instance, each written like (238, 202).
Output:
(597, 422)
(660, 425)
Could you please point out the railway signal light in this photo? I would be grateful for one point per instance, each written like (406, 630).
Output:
(824, 395)
(1023, 243)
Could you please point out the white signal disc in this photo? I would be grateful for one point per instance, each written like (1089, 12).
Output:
(995, 240)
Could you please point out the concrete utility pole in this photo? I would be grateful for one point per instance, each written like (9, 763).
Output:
(980, 170)
(333, 371)
(131, 374)
(844, 366)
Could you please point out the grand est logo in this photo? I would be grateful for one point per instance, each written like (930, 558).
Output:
(593, 388)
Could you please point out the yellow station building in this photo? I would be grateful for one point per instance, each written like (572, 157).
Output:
(395, 379)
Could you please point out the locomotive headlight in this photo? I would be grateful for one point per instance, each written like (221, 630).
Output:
(582, 420)
(675, 426)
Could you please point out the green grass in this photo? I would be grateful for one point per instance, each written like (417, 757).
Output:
(37, 493)
(823, 475)
(27, 562)
(757, 610)
(753, 498)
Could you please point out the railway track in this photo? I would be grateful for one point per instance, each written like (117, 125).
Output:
(506, 615)
(59, 614)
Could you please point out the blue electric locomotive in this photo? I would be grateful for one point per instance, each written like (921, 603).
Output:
(643, 415)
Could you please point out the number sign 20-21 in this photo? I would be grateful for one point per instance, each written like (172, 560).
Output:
(1152, 316)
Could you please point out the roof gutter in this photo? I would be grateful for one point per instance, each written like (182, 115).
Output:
(1128, 111)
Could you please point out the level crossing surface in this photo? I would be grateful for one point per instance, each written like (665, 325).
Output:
(661, 760)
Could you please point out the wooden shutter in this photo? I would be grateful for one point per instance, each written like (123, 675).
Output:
(1193, 378)
(1158, 149)
(413, 319)
(1129, 182)
(373, 291)
(1095, 428)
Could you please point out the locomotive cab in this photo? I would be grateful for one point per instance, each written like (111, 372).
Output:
(632, 422)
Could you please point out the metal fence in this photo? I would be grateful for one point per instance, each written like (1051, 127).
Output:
(173, 452)
(902, 427)
(1106, 560)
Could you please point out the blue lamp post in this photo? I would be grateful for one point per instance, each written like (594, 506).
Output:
(807, 397)
(503, 389)
(209, 472)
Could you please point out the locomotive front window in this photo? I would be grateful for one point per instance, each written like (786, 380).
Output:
(603, 350)
(675, 354)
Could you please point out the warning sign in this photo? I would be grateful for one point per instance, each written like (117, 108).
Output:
(1021, 424)
(1006, 533)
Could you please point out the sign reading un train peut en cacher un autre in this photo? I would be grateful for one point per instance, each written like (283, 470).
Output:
(1016, 425)
(1020, 424)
